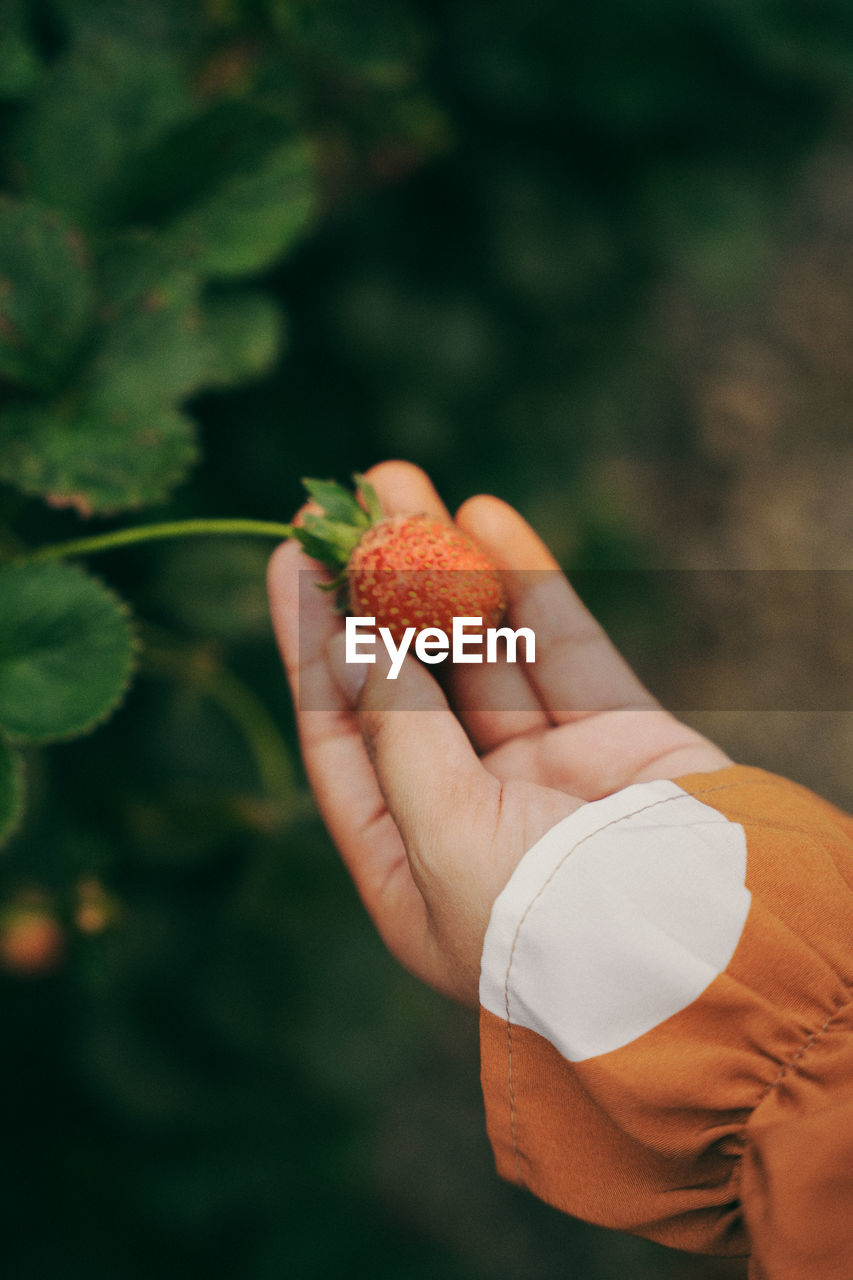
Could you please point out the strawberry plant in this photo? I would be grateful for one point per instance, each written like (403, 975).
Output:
(157, 161)
(242, 241)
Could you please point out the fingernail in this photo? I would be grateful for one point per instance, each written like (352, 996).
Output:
(349, 676)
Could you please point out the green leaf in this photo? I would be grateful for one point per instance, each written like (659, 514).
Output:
(371, 499)
(116, 439)
(133, 265)
(11, 790)
(96, 459)
(162, 341)
(66, 651)
(107, 98)
(152, 351)
(337, 502)
(198, 157)
(45, 293)
(253, 218)
(19, 62)
(243, 333)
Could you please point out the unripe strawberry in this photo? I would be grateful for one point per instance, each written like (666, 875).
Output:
(404, 571)
(31, 940)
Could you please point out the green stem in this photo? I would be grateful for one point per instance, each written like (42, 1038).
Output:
(241, 704)
(247, 711)
(150, 532)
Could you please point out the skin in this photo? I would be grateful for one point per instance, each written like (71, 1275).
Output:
(388, 761)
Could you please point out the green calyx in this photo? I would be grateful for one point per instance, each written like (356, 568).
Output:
(332, 537)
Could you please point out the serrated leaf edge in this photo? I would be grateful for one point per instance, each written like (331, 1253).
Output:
(54, 498)
(121, 696)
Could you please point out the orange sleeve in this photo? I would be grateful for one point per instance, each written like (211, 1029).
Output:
(797, 1189)
(666, 1023)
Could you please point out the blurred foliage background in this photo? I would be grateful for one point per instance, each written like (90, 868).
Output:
(596, 259)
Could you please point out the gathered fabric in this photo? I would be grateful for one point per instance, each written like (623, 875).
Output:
(666, 1020)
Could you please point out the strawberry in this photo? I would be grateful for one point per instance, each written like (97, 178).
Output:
(404, 571)
(31, 940)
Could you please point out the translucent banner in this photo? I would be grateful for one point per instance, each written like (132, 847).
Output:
(696, 640)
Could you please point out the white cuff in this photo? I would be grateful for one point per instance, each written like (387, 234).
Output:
(619, 917)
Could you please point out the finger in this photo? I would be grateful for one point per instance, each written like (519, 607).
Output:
(444, 803)
(577, 671)
(336, 760)
(303, 621)
(497, 702)
(404, 489)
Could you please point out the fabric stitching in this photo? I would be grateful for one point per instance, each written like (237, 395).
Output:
(727, 786)
(788, 1066)
(512, 1112)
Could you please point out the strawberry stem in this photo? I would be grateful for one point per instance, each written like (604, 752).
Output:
(152, 532)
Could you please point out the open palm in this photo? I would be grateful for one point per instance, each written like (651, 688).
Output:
(432, 796)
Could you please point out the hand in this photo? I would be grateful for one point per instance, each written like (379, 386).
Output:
(432, 808)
